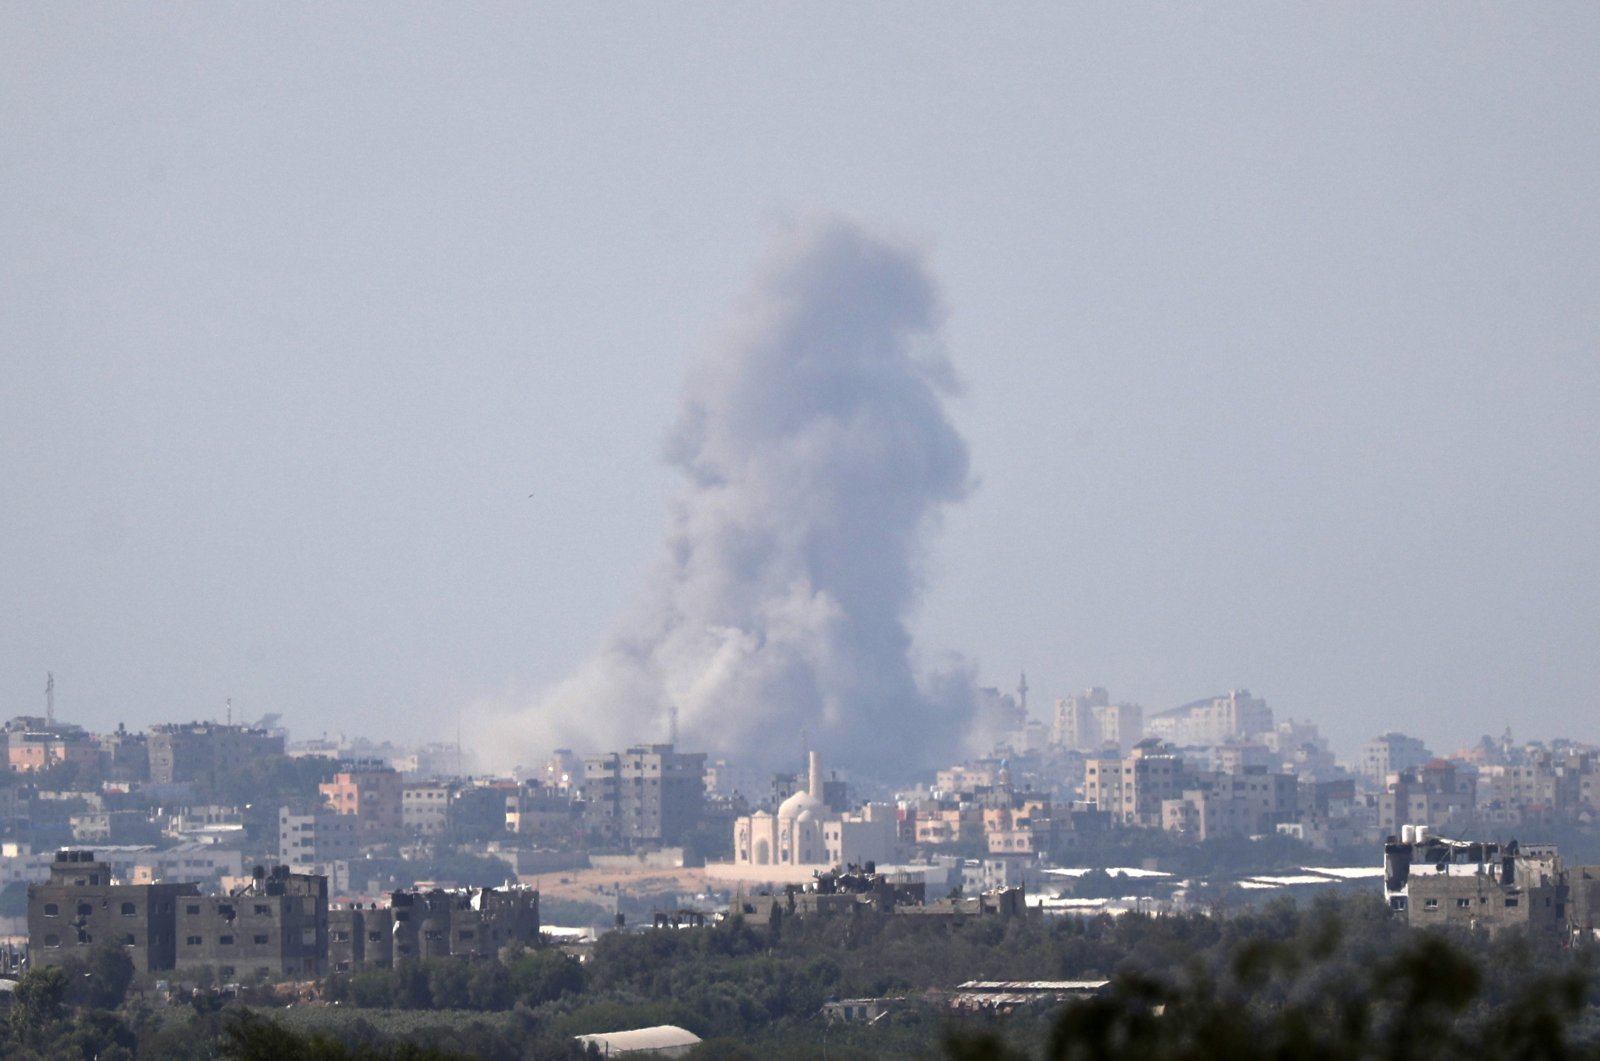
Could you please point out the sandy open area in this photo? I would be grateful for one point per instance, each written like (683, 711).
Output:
(597, 885)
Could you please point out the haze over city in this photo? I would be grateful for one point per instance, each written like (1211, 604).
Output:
(349, 351)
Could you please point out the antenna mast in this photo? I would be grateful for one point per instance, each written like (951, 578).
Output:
(50, 698)
(672, 725)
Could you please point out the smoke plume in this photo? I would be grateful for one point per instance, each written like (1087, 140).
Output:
(817, 454)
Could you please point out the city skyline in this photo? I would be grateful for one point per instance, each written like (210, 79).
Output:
(342, 346)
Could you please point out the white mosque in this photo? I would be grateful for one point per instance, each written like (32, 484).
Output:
(805, 832)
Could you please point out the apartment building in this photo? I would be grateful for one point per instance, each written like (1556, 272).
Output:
(204, 751)
(649, 794)
(373, 794)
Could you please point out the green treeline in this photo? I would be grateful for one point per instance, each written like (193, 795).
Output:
(1337, 979)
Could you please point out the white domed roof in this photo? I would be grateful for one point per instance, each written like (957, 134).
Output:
(802, 805)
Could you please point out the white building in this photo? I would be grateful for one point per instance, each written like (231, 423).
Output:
(1214, 721)
(804, 832)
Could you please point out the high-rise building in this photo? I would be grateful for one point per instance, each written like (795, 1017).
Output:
(649, 794)
(1090, 722)
(1390, 753)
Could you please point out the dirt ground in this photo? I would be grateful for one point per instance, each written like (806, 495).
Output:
(593, 885)
(597, 885)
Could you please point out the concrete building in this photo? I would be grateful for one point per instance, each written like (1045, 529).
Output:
(1090, 722)
(424, 807)
(534, 810)
(1436, 793)
(276, 925)
(272, 928)
(373, 794)
(1217, 720)
(1247, 802)
(439, 923)
(1390, 753)
(1472, 885)
(39, 748)
(1132, 790)
(80, 906)
(204, 751)
(649, 794)
(312, 843)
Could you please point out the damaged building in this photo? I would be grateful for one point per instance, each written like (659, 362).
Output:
(438, 923)
(273, 927)
(1477, 885)
(861, 890)
(277, 926)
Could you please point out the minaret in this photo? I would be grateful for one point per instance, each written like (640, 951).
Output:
(1022, 693)
(814, 782)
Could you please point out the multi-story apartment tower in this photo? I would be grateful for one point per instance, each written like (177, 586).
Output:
(1090, 722)
(1391, 753)
(648, 794)
(374, 793)
(1132, 789)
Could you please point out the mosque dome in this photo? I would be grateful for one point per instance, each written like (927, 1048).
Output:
(802, 806)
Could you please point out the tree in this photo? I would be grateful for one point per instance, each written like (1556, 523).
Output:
(100, 980)
(37, 1002)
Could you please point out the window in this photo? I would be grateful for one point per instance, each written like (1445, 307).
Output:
(1463, 904)
(374, 937)
(129, 909)
(1512, 900)
(261, 938)
(226, 941)
(52, 910)
(52, 940)
(1430, 904)
(85, 909)
(263, 909)
(192, 908)
(127, 941)
(192, 941)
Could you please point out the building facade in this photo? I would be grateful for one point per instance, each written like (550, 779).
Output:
(204, 751)
(649, 794)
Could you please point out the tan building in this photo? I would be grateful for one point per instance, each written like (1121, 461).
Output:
(1132, 790)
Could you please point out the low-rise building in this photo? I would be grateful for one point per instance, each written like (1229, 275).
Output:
(80, 906)
(425, 807)
(434, 923)
(1475, 885)
(274, 927)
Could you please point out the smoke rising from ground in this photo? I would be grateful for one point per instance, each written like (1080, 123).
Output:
(817, 454)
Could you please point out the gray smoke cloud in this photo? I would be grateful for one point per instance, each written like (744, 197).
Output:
(817, 455)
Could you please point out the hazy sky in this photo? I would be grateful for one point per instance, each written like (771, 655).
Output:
(340, 342)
